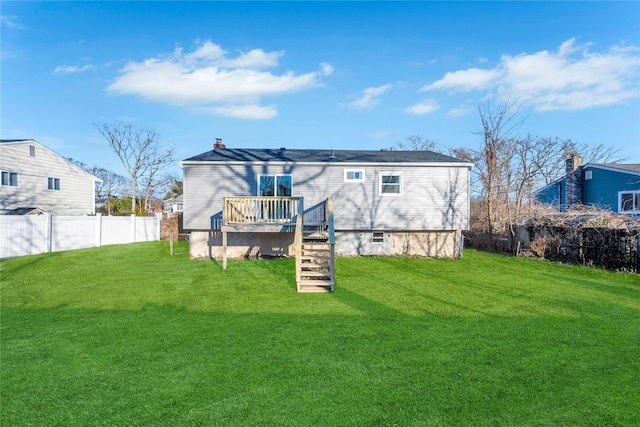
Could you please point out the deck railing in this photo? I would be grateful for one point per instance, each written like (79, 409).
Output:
(260, 210)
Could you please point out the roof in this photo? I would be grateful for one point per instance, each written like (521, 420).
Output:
(177, 199)
(631, 167)
(16, 140)
(282, 155)
(25, 211)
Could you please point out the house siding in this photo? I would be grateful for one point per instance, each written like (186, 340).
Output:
(433, 197)
(77, 187)
(602, 189)
(554, 194)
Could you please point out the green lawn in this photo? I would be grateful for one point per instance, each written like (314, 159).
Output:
(128, 335)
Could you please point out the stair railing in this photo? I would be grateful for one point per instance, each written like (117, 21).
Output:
(332, 236)
(297, 240)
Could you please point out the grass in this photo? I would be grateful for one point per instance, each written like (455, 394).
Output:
(128, 335)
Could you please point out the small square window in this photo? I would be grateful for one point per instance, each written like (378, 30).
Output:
(377, 237)
(354, 175)
(588, 175)
(54, 184)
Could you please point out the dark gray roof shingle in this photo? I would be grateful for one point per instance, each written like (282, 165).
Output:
(321, 156)
(623, 167)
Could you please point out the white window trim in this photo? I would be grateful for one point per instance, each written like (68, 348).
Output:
(54, 184)
(275, 180)
(346, 171)
(10, 172)
(636, 193)
(380, 193)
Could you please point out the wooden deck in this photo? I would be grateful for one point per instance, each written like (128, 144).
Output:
(314, 237)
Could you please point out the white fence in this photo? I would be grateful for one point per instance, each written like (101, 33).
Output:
(28, 235)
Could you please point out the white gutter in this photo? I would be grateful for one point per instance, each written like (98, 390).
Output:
(279, 163)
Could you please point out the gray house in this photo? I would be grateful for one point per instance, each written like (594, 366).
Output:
(34, 176)
(246, 202)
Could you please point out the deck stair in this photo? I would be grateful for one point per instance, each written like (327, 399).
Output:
(315, 258)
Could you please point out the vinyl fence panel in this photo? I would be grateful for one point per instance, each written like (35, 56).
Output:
(28, 235)
(73, 232)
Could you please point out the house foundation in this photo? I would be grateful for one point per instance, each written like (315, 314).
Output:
(434, 244)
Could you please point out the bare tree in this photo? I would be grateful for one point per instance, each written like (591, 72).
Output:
(174, 186)
(417, 143)
(111, 184)
(159, 160)
(493, 159)
(138, 150)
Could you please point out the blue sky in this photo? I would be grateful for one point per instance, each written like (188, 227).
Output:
(347, 75)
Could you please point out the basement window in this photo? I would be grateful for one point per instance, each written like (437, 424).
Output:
(377, 237)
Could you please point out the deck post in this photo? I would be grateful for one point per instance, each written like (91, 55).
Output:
(297, 241)
(224, 250)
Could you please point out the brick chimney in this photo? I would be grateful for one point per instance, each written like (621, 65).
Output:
(218, 145)
(574, 180)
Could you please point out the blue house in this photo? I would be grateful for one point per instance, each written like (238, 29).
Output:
(611, 186)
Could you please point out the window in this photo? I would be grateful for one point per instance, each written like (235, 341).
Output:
(353, 175)
(275, 185)
(32, 150)
(390, 184)
(377, 237)
(54, 184)
(588, 175)
(10, 178)
(629, 202)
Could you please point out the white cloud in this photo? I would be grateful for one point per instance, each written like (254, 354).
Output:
(462, 110)
(425, 107)
(573, 78)
(380, 134)
(464, 80)
(67, 69)
(213, 81)
(10, 22)
(370, 98)
(251, 112)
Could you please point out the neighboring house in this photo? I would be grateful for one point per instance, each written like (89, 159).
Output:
(173, 205)
(615, 187)
(384, 202)
(35, 176)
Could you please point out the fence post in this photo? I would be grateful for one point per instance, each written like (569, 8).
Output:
(49, 231)
(133, 228)
(98, 229)
(159, 228)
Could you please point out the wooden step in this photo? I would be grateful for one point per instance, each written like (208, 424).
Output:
(314, 257)
(311, 274)
(312, 250)
(312, 265)
(315, 286)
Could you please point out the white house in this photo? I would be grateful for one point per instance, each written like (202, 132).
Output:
(33, 176)
(173, 205)
(316, 204)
